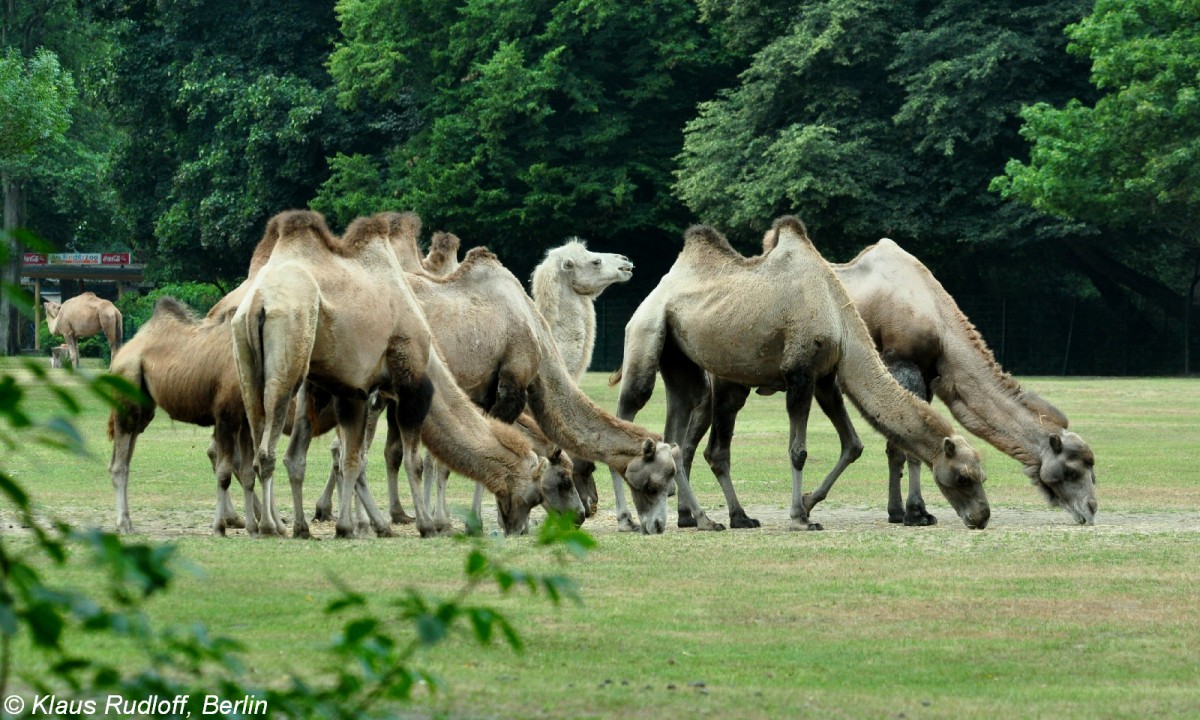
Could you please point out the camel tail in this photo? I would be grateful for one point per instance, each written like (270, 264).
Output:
(615, 379)
(120, 333)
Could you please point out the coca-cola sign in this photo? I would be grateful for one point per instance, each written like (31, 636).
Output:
(35, 259)
(114, 258)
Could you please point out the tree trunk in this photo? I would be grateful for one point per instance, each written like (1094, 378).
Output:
(10, 274)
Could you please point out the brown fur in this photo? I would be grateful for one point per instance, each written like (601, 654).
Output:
(83, 316)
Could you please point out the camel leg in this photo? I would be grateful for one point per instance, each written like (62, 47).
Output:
(829, 396)
(295, 460)
(727, 400)
(221, 453)
(352, 428)
(394, 457)
(441, 512)
(404, 448)
(324, 510)
(124, 442)
(799, 403)
(73, 348)
(896, 459)
(635, 393)
(477, 502)
(912, 511)
(687, 398)
(243, 469)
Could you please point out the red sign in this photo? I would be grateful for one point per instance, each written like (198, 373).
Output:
(114, 259)
(35, 259)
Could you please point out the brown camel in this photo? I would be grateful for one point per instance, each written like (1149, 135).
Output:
(780, 321)
(442, 258)
(915, 324)
(501, 351)
(184, 365)
(339, 313)
(83, 316)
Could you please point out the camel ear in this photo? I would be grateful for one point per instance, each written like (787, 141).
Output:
(1056, 444)
(648, 450)
(948, 447)
(568, 264)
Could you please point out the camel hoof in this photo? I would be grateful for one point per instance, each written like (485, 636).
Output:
(344, 533)
(427, 531)
(399, 517)
(323, 514)
(125, 528)
(219, 530)
(384, 532)
(685, 519)
(625, 524)
(703, 523)
(300, 532)
(896, 516)
(917, 517)
(739, 519)
(805, 525)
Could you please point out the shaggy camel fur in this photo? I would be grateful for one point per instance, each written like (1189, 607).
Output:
(339, 312)
(781, 321)
(914, 322)
(502, 352)
(185, 366)
(84, 316)
(565, 286)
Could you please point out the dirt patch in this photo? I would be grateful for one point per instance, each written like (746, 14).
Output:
(167, 525)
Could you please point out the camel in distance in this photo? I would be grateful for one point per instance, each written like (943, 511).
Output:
(84, 316)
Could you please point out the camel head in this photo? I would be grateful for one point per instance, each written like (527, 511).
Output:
(589, 273)
(547, 481)
(583, 474)
(960, 478)
(649, 478)
(558, 487)
(1067, 476)
(52, 309)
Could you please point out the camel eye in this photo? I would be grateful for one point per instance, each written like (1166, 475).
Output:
(596, 262)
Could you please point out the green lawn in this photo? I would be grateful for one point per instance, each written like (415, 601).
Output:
(1033, 617)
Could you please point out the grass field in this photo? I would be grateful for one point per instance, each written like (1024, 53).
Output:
(1033, 617)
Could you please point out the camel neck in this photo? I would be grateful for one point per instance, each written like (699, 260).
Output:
(483, 449)
(905, 419)
(572, 320)
(573, 422)
(988, 403)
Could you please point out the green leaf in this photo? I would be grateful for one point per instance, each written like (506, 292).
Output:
(45, 624)
(431, 630)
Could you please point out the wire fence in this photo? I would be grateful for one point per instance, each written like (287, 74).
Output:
(1028, 335)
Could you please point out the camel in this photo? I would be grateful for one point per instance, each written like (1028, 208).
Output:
(917, 327)
(338, 313)
(779, 322)
(442, 258)
(565, 286)
(502, 351)
(83, 316)
(184, 365)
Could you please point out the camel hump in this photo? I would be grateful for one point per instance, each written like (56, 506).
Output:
(445, 242)
(709, 236)
(361, 233)
(294, 225)
(405, 224)
(167, 306)
(479, 255)
(262, 251)
(790, 223)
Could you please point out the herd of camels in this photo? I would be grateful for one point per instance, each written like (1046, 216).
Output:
(331, 332)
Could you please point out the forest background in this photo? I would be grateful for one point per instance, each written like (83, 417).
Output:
(1040, 157)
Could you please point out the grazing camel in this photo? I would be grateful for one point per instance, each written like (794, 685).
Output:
(915, 324)
(83, 316)
(780, 321)
(565, 286)
(502, 352)
(338, 313)
(184, 365)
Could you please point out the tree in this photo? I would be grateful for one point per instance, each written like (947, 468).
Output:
(229, 116)
(534, 121)
(36, 95)
(1130, 161)
(870, 118)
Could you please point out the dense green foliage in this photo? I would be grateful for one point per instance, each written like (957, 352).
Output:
(516, 125)
(533, 121)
